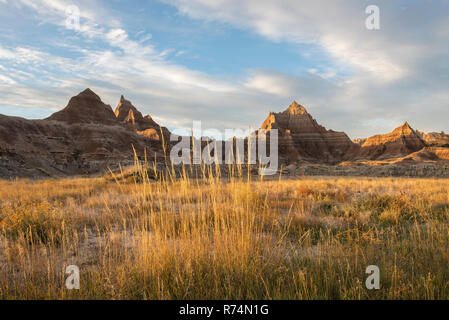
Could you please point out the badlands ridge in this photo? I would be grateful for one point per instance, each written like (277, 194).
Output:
(88, 137)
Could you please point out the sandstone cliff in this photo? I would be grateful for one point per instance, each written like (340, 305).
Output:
(128, 115)
(86, 107)
(84, 138)
(435, 138)
(398, 143)
(87, 137)
(302, 138)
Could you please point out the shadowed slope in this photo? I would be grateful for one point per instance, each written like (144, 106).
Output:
(83, 138)
(86, 107)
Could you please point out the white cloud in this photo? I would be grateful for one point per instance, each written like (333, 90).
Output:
(269, 83)
(117, 35)
(338, 27)
(22, 55)
(6, 80)
(146, 38)
(395, 74)
(391, 73)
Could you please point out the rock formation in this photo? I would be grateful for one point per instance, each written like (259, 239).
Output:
(84, 138)
(426, 154)
(400, 142)
(86, 107)
(302, 138)
(359, 141)
(87, 137)
(127, 114)
(435, 138)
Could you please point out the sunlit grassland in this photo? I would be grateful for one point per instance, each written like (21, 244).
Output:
(309, 238)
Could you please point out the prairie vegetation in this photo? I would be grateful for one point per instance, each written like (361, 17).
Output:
(230, 238)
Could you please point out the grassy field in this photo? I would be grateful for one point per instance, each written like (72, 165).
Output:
(309, 238)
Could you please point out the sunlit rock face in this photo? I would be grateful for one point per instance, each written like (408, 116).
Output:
(302, 138)
(398, 143)
(86, 137)
(435, 138)
(127, 114)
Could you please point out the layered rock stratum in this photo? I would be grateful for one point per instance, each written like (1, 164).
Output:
(304, 142)
(301, 138)
(86, 107)
(128, 115)
(398, 143)
(87, 137)
(438, 139)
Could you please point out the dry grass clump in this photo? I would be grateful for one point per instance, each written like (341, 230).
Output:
(216, 238)
(36, 222)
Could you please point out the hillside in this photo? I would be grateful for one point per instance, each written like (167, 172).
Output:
(87, 137)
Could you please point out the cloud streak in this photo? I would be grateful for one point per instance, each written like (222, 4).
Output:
(375, 79)
(393, 72)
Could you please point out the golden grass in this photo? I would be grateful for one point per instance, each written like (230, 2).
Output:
(233, 238)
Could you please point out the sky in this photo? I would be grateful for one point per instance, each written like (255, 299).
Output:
(228, 63)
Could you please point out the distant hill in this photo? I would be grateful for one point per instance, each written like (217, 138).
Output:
(87, 137)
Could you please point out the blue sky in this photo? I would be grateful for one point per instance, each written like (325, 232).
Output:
(228, 63)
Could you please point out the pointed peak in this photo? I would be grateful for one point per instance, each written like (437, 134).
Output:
(86, 107)
(124, 104)
(124, 101)
(130, 117)
(89, 93)
(125, 108)
(406, 126)
(405, 129)
(296, 109)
